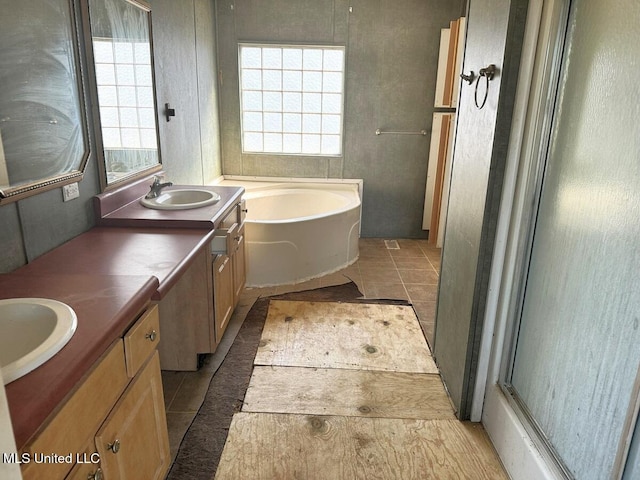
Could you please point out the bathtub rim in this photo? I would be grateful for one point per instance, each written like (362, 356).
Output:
(265, 183)
(284, 180)
(260, 192)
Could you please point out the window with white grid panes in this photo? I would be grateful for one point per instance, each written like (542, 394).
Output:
(125, 94)
(291, 99)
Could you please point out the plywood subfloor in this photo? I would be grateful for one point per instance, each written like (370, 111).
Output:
(273, 446)
(345, 391)
(360, 393)
(344, 335)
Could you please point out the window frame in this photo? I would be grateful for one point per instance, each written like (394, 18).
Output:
(340, 114)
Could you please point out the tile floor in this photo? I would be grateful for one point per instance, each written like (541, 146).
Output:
(409, 272)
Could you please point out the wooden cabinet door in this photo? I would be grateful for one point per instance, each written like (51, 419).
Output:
(75, 424)
(239, 267)
(222, 293)
(133, 442)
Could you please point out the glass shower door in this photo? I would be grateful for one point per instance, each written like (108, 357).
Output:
(577, 351)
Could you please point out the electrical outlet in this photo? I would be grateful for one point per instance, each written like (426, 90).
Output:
(71, 191)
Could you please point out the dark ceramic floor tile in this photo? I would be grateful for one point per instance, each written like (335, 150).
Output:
(426, 311)
(388, 276)
(423, 277)
(414, 263)
(407, 252)
(385, 291)
(191, 393)
(422, 293)
(171, 382)
(429, 333)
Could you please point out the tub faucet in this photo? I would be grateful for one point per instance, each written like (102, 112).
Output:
(156, 187)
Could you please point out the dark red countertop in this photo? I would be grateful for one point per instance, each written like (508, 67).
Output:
(164, 253)
(105, 305)
(107, 275)
(122, 208)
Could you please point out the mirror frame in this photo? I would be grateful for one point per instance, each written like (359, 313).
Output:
(95, 104)
(19, 192)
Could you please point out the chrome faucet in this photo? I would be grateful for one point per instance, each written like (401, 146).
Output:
(156, 187)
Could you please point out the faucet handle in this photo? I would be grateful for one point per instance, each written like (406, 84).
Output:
(157, 179)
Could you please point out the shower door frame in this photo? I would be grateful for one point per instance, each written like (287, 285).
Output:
(513, 430)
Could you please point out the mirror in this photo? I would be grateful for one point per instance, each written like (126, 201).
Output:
(127, 135)
(43, 129)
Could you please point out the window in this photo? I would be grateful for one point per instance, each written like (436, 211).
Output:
(125, 92)
(291, 99)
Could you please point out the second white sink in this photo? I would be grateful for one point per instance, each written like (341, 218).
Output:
(32, 330)
(181, 199)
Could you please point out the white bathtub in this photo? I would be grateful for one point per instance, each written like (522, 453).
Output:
(298, 230)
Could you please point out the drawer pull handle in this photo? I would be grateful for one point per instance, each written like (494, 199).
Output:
(115, 446)
(245, 210)
(96, 476)
(152, 336)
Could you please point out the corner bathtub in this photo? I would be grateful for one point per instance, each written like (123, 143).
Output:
(296, 231)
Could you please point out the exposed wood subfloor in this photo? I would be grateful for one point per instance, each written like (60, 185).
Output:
(347, 391)
(344, 335)
(407, 273)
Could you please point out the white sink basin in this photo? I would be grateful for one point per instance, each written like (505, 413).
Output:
(32, 330)
(181, 199)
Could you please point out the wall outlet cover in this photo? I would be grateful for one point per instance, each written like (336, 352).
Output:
(71, 191)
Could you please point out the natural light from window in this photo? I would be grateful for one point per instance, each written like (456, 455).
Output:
(125, 92)
(291, 99)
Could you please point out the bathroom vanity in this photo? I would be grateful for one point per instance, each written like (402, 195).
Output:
(120, 430)
(201, 271)
(150, 292)
(103, 386)
(196, 312)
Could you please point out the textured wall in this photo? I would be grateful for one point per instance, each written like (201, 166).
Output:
(207, 63)
(494, 36)
(184, 39)
(185, 65)
(392, 53)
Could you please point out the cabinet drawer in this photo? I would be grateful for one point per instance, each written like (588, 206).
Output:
(141, 340)
(224, 241)
(75, 424)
